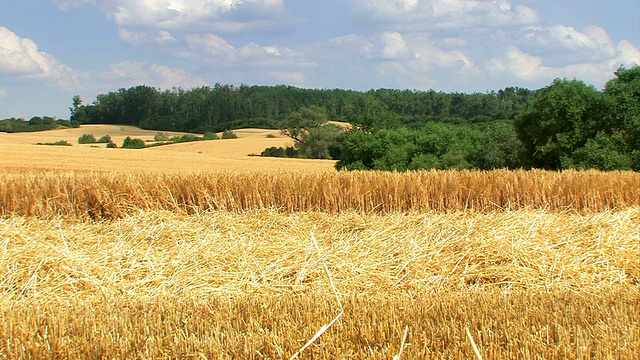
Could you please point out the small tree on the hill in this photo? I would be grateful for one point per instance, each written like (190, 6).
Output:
(130, 143)
(86, 139)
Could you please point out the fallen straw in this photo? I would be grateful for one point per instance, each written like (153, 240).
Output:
(402, 344)
(335, 292)
(473, 344)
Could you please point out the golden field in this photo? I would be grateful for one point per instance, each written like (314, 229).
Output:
(153, 256)
(19, 152)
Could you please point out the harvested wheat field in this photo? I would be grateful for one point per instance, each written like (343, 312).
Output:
(319, 265)
(19, 152)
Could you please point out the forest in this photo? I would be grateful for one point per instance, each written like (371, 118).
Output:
(567, 124)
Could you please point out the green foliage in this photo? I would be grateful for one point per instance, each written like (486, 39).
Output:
(322, 142)
(299, 122)
(36, 123)
(57, 143)
(623, 98)
(227, 107)
(210, 135)
(572, 125)
(271, 136)
(288, 152)
(187, 138)
(86, 139)
(435, 146)
(111, 145)
(104, 139)
(603, 152)
(273, 152)
(228, 134)
(130, 143)
(161, 136)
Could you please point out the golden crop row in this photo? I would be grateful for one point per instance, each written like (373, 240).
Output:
(110, 195)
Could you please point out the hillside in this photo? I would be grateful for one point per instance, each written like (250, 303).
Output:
(19, 152)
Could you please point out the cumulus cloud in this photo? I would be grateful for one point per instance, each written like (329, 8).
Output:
(516, 65)
(391, 59)
(132, 73)
(20, 57)
(210, 48)
(227, 16)
(443, 14)
(159, 37)
(562, 45)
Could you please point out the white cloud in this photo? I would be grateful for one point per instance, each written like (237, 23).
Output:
(444, 14)
(295, 78)
(159, 37)
(132, 73)
(520, 66)
(210, 48)
(207, 46)
(20, 57)
(627, 54)
(194, 15)
(562, 45)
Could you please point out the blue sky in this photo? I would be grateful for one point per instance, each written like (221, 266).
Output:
(51, 50)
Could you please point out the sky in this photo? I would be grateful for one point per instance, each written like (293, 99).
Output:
(51, 50)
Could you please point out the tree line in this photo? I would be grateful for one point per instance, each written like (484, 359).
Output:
(224, 107)
(569, 125)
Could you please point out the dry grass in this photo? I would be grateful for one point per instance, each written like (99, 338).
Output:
(527, 284)
(108, 195)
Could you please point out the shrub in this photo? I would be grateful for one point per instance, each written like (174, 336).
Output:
(87, 139)
(273, 152)
(111, 145)
(209, 135)
(161, 136)
(130, 143)
(270, 136)
(105, 139)
(228, 134)
(57, 143)
(187, 138)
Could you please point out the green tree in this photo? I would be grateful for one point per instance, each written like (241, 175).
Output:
(130, 143)
(86, 139)
(302, 120)
(228, 134)
(322, 142)
(564, 116)
(623, 95)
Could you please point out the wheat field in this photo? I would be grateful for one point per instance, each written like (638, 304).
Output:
(108, 257)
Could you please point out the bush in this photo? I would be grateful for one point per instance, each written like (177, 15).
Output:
(271, 136)
(57, 143)
(111, 145)
(228, 134)
(209, 135)
(273, 152)
(105, 139)
(87, 139)
(187, 138)
(161, 136)
(130, 143)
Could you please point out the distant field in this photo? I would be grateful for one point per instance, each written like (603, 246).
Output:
(19, 152)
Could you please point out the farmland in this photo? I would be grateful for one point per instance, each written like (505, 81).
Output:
(188, 251)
